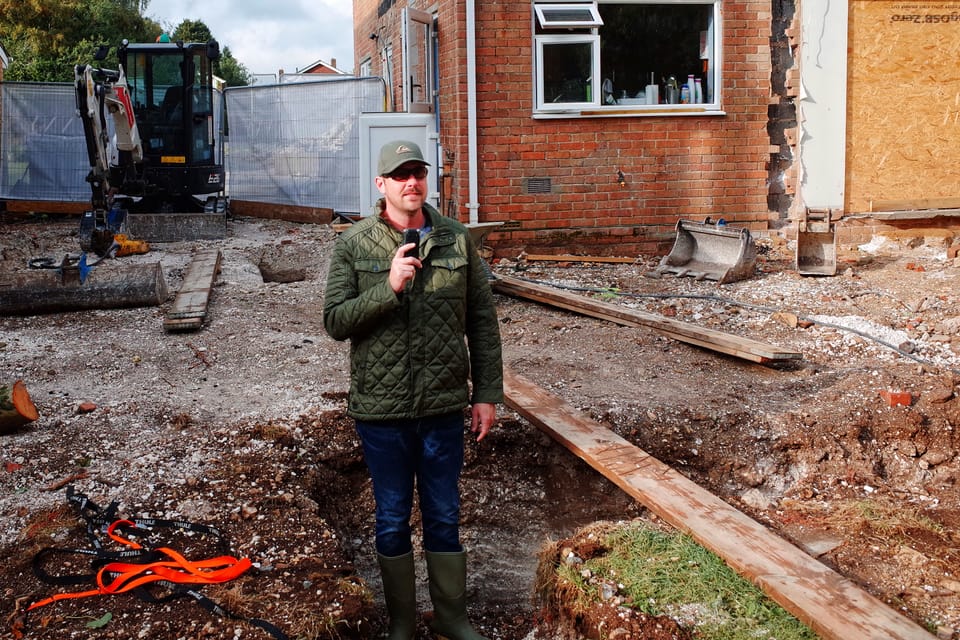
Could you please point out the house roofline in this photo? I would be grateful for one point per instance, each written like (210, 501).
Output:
(321, 63)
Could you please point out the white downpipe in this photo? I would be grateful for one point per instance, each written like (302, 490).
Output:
(472, 205)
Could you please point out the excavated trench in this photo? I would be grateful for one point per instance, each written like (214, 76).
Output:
(520, 489)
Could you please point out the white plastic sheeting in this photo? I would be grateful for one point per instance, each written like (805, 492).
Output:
(43, 155)
(299, 143)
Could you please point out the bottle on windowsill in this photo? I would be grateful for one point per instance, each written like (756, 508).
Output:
(672, 92)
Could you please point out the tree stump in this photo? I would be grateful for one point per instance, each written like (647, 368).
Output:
(16, 407)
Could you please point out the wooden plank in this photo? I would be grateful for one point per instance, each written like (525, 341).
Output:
(190, 306)
(572, 258)
(915, 204)
(708, 338)
(44, 206)
(830, 604)
(289, 213)
(923, 215)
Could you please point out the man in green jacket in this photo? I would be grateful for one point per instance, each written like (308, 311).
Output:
(424, 344)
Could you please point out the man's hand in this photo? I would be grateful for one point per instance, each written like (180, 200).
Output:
(482, 417)
(403, 268)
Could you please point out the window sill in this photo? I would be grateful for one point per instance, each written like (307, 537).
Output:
(626, 111)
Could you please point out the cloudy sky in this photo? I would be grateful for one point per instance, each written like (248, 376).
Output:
(268, 35)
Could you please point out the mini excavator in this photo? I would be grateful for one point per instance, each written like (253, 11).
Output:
(157, 154)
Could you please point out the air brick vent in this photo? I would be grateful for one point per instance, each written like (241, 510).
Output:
(538, 185)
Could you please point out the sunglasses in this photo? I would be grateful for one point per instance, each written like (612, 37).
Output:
(403, 173)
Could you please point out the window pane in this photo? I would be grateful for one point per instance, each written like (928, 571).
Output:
(638, 41)
(566, 72)
(568, 15)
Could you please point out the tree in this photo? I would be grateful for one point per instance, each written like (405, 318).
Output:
(46, 38)
(227, 67)
(231, 70)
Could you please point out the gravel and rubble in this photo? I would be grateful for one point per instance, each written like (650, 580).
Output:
(240, 424)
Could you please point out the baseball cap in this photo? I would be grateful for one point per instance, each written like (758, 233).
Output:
(395, 153)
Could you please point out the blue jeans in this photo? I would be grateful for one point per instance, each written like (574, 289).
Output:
(428, 453)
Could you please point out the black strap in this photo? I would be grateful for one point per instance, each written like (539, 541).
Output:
(97, 521)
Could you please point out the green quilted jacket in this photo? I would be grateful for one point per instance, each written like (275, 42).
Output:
(409, 354)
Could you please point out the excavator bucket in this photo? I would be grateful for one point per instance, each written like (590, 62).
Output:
(817, 253)
(816, 244)
(703, 250)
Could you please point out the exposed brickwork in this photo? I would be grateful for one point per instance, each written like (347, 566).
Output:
(784, 86)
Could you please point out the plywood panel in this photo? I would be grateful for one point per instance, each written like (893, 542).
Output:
(903, 101)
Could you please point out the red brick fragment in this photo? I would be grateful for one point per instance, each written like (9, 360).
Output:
(86, 407)
(896, 398)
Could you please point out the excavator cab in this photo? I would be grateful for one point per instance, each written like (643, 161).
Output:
(171, 91)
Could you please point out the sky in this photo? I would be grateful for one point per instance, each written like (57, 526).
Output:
(268, 35)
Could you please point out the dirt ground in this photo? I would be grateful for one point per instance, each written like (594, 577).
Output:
(240, 425)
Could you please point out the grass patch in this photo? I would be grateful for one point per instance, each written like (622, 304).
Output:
(665, 573)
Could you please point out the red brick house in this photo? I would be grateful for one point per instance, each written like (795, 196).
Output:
(322, 67)
(546, 123)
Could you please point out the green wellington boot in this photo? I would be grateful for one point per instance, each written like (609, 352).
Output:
(400, 594)
(448, 591)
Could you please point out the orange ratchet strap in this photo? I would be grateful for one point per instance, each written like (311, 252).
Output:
(119, 577)
(138, 566)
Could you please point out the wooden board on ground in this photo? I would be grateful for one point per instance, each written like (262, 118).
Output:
(44, 206)
(833, 606)
(190, 306)
(571, 258)
(915, 204)
(707, 338)
(289, 213)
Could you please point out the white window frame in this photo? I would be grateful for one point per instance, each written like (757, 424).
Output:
(366, 68)
(543, 11)
(595, 107)
(593, 81)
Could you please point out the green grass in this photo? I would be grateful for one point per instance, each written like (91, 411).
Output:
(668, 574)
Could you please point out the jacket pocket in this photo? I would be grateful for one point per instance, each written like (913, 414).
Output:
(371, 271)
(448, 276)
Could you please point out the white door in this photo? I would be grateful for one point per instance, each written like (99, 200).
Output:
(379, 128)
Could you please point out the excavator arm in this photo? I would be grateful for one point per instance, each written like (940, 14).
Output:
(99, 93)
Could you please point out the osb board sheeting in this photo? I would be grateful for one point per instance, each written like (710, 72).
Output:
(903, 101)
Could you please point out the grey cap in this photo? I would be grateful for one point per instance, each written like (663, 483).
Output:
(398, 152)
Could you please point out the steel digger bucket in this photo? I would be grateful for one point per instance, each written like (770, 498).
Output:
(710, 251)
(816, 244)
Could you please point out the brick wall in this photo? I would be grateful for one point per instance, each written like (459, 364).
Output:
(673, 167)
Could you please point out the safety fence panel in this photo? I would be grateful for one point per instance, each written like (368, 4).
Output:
(299, 143)
(43, 155)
